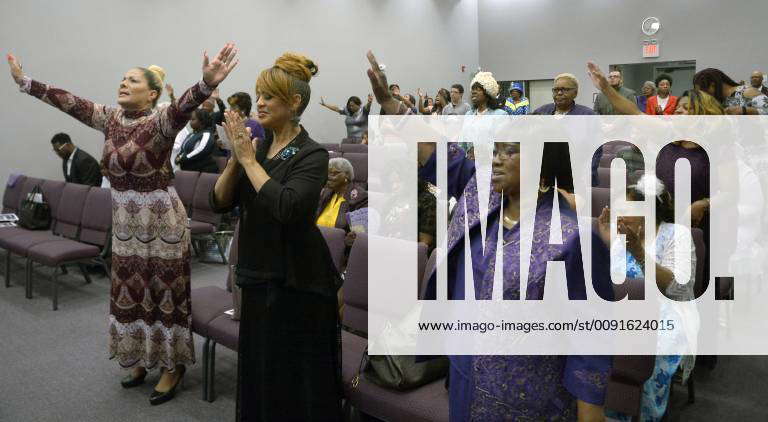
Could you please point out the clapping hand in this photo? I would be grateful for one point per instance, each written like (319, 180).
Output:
(239, 136)
(216, 70)
(16, 72)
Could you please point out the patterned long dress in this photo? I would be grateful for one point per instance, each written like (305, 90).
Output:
(150, 315)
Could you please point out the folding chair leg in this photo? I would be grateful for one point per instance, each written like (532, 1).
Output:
(211, 372)
(28, 278)
(206, 345)
(105, 265)
(85, 273)
(691, 390)
(221, 250)
(55, 281)
(195, 248)
(7, 268)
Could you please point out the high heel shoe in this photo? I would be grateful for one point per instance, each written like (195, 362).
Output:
(129, 381)
(158, 397)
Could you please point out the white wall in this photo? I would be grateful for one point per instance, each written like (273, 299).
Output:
(537, 39)
(86, 46)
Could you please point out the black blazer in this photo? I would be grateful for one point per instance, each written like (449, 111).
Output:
(278, 238)
(85, 169)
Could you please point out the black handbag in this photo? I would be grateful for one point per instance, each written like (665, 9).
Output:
(400, 372)
(35, 215)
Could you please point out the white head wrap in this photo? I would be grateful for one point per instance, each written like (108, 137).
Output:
(489, 84)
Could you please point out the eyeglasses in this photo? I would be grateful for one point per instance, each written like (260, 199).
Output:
(562, 90)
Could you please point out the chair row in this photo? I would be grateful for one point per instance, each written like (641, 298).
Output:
(359, 161)
(209, 304)
(194, 189)
(428, 403)
(81, 223)
(346, 147)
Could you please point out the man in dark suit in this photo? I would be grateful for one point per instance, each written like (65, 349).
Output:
(78, 166)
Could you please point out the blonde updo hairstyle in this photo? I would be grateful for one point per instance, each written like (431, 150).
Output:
(289, 76)
(155, 76)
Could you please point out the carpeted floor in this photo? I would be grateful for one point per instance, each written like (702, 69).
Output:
(54, 366)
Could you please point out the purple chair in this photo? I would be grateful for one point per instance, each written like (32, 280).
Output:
(601, 197)
(625, 383)
(355, 317)
(351, 141)
(604, 177)
(204, 220)
(427, 403)
(221, 163)
(12, 194)
(52, 190)
(421, 263)
(92, 246)
(605, 160)
(184, 182)
(334, 154)
(68, 219)
(354, 148)
(701, 253)
(225, 331)
(360, 164)
(332, 147)
(334, 238)
(428, 269)
(210, 303)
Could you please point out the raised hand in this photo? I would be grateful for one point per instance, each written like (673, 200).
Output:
(16, 72)
(216, 70)
(169, 90)
(635, 240)
(370, 98)
(322, 101)
(419, 93)
(380, 86)
(239, 136)
(604, 226)
(597, 76)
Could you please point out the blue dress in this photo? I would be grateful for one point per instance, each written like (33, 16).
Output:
(490, 388)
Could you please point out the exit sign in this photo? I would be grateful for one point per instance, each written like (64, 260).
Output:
(650, 48)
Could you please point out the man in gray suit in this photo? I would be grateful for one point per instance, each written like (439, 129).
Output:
(602, 105)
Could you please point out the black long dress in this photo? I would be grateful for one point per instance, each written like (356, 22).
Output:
(288, 360)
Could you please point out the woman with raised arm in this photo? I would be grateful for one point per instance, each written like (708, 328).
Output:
(356, 116)
(288, 357)
(149, 311)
